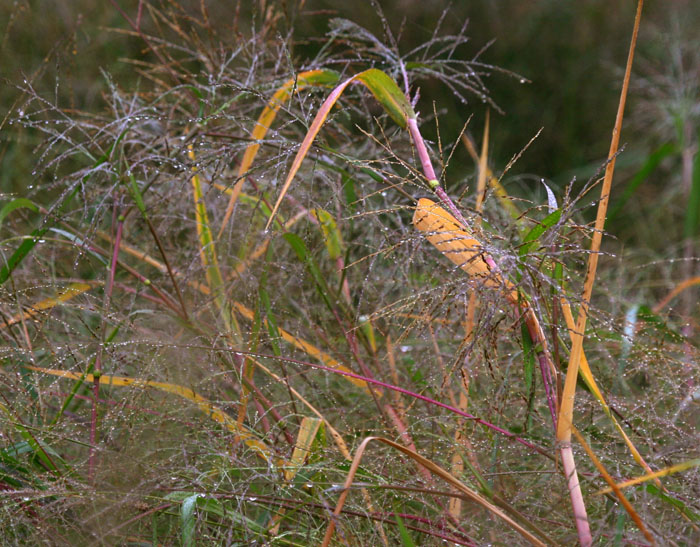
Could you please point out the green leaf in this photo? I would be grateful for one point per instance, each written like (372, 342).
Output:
(406, 539)
(19, 203)
(646, 314)
(530, 239)
(389, 95)
(187, 519)
(331, 234)
(350, 193)
(678, 504)
(136, 194)
(302, 252)
(271, 322)
(28, 244)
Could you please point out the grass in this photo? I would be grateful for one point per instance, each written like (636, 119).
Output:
(230, 314)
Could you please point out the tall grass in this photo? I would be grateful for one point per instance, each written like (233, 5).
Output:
(231, 315)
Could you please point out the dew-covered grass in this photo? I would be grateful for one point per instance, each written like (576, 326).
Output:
(231, 316)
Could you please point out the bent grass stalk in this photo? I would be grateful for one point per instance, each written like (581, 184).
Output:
(434, 469)
(264, 122)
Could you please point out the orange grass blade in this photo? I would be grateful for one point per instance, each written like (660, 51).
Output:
(203, 404)
(434, 469)
(683, 285)
(566, 414)
(451, 238)
(589, 379)
(655, 475)
(614, 487)
(267, 116)
(384, 90)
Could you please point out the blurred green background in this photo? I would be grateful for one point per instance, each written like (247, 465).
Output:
(572, 54)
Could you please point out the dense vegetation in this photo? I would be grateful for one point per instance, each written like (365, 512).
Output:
(228, 317)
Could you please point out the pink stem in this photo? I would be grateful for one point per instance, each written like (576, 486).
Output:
(578, 506)
(92, 459)
(537, 337)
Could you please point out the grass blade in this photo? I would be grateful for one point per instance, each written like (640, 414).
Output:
(434, 469)
(211, 410)
(656, 474)
(28, 244)
(384, 90)
(207, 248)
(73, 290)
(282, 95)
(19, 203)
(187, 520)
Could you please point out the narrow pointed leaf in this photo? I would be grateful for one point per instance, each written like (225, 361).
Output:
(385, 91)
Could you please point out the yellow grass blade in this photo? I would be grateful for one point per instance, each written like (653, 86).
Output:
(305, 438)
(267, 116)
(307, 434)
(207, 249)
(655, 475)
(72, 290)
(337, 438)
(203, 404)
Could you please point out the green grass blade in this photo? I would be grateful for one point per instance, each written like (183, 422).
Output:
(28, 244)
(388, 95)
(530, 239)
(187, 520)
(674, 502)
(303, 253)
(406, 539)
(19, 203)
